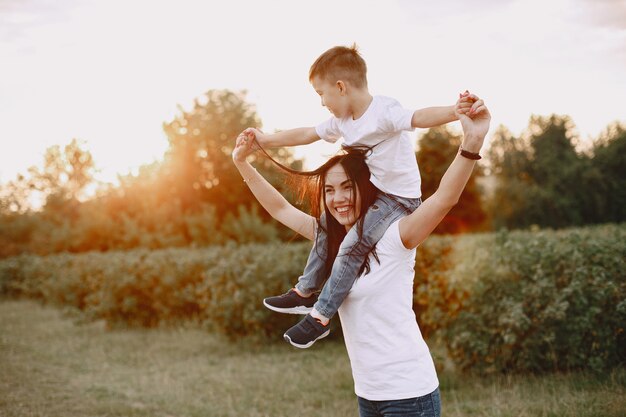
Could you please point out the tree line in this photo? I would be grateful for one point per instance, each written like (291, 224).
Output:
(195, 197)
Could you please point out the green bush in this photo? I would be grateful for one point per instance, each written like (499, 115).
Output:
(444, 276)
(220, 287)
(95, 226)
(542, 301)
(518, 301)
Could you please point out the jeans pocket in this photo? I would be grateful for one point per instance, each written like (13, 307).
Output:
(430, 405)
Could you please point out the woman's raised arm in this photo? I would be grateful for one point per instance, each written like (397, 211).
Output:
(271, 200)
(417, 226)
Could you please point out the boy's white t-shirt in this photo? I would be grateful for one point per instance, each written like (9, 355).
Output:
(390, 360)
(385, 125)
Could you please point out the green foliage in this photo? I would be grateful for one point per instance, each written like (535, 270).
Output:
(541, 179)
(437, 148)
(444, 276)
(510, 301)
(198, 167)
(248, 227)
(220, 287)
(194, 197)
(99, 225)
(543, 301)
(605, 178)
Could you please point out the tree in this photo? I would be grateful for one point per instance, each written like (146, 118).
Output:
(437, 148)
(198, 165)
(65, 174)
(508, 158)
(606, 177)
(16, 226)
(195, 196)
(15, 195)
(539, 175)
(61, 182)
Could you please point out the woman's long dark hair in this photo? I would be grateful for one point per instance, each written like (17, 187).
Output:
(311, 189)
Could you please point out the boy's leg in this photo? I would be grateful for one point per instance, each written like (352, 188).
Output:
(353, 252)
(351, 256)
(300, 300)
(312, 279)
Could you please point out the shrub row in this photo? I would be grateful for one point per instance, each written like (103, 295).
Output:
(103, 226)
(519, 301)
(220, 287)
(540, 301)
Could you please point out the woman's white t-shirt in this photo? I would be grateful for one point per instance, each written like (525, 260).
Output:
(385, 125)
(389, 358)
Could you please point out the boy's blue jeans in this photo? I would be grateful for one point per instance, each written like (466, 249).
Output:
(352, 252)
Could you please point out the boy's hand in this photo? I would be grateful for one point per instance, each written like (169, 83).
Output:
(468, 105)
(243, 147)
(476, 126)
(255, 134)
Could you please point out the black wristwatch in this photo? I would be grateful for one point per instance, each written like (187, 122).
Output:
(469, 155)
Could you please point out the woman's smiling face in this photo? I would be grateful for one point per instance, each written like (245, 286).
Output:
(341, 196)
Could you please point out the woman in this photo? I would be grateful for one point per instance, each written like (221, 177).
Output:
(391, 365)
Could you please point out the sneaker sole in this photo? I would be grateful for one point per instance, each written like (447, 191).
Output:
(288, 339)
(293, 310)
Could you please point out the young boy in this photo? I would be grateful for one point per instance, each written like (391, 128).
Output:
(339, 77)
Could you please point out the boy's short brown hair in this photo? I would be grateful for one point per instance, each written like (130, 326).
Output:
(341, 63)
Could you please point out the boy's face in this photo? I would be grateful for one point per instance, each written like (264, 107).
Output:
(334, 96)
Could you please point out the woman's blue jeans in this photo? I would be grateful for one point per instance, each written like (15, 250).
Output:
(425, 406)
(352, 252)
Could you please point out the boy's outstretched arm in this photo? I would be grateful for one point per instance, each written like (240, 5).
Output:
(436, 116)
(433, 116)
(291, 137)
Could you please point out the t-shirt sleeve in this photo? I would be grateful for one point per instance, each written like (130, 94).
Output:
(397, 118)
(329, 130)
(395, 241)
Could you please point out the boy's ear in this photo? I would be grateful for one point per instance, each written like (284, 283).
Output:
(342, 87)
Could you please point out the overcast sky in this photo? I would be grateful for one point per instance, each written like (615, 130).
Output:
(111, 72)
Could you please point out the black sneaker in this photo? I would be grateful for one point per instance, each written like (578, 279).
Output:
(305, 333)
(291, 303)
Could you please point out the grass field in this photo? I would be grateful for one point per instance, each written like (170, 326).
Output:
(51, 365)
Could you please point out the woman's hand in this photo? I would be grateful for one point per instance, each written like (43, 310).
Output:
(243, 147)
(475, 124)
(417, 226)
